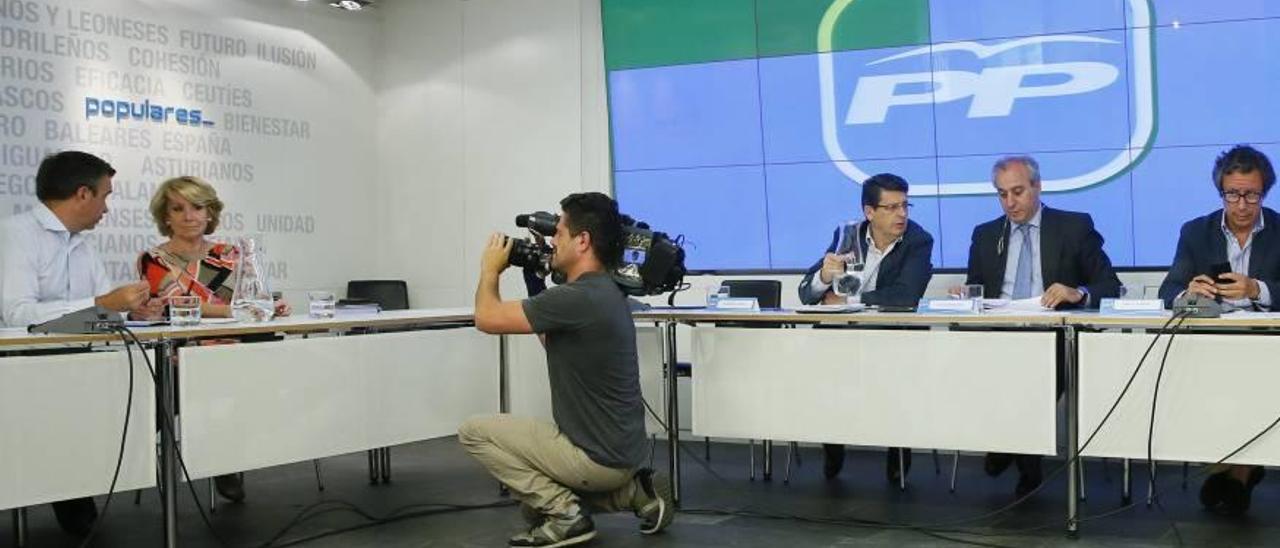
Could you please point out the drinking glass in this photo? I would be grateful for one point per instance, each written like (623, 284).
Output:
(715, 294)
(184, 311)
(321, 304)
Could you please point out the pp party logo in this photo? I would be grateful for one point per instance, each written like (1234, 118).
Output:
(986, 90)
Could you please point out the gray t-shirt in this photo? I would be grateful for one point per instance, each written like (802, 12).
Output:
(591, 361)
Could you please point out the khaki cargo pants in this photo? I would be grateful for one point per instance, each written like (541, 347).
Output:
(543, 469)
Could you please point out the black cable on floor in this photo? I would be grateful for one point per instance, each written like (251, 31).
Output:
(124, 437)
(398, 514)
(166, 424)
(1151, 430)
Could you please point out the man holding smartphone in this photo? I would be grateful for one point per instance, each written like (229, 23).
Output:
(1233, 255)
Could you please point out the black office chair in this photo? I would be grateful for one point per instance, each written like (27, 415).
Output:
(390, 295)
(768, 293)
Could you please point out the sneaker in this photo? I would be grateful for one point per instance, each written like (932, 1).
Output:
(532, 517)
(557, 531)
(652, 503)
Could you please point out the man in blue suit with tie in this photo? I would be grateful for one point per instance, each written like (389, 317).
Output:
(1245, 235)
(896, 267)
(1036, 251)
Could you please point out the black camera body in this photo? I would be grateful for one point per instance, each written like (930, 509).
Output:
(530, 254)
(534, 253)
(652, 263)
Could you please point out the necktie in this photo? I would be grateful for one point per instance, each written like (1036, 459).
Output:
(1022, 277)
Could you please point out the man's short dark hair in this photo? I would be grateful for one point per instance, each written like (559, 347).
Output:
(877, 184)
(1243, 159)
(596, 214)
(61, 175)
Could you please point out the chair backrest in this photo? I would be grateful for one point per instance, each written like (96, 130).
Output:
(389, 294)
(767, 292)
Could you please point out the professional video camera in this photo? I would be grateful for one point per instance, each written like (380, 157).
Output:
(534, 253)
(652, 263)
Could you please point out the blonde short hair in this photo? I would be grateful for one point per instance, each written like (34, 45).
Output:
(194, 190)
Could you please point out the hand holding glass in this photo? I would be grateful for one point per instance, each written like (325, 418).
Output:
(848, 282)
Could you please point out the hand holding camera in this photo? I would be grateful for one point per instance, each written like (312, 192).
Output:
(494, 259)
(533, 254)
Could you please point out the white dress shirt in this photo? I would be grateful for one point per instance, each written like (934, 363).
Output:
(1239, 256)
(47, 271)
(871, 271)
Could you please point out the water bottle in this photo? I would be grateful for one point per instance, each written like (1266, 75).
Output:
(847, 284)
(716, 294)
(251, 301)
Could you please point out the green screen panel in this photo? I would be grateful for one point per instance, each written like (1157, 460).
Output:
(652, 33)
(789, 27)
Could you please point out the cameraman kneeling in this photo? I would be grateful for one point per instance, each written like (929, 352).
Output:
(589, 459)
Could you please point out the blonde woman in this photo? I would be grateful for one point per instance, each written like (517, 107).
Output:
(187, 210)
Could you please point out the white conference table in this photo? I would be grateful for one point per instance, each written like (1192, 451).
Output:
(1216, 391)
(240, 406)
(962, 382)
(63, 416)
(886, 386)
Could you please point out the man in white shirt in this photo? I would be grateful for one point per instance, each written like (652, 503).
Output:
(50, 268)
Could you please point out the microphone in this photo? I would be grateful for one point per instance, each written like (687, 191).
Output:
(539, 221)
(1004, 232)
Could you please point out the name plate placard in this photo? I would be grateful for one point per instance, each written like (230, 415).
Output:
(1130, 307)
(738, 303)
(949, 306)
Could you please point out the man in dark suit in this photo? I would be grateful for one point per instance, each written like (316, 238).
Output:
(1036, 251)
(894, 254)
(1247, 236)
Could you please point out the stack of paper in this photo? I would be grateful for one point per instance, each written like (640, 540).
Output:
(1014, 306)
(830, 308)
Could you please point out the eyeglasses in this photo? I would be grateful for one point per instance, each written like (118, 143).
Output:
(1251, 198)
(894, 208)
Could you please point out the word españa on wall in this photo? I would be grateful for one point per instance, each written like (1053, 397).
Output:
(120, 110)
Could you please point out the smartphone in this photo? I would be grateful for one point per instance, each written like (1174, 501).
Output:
(1217, 270)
